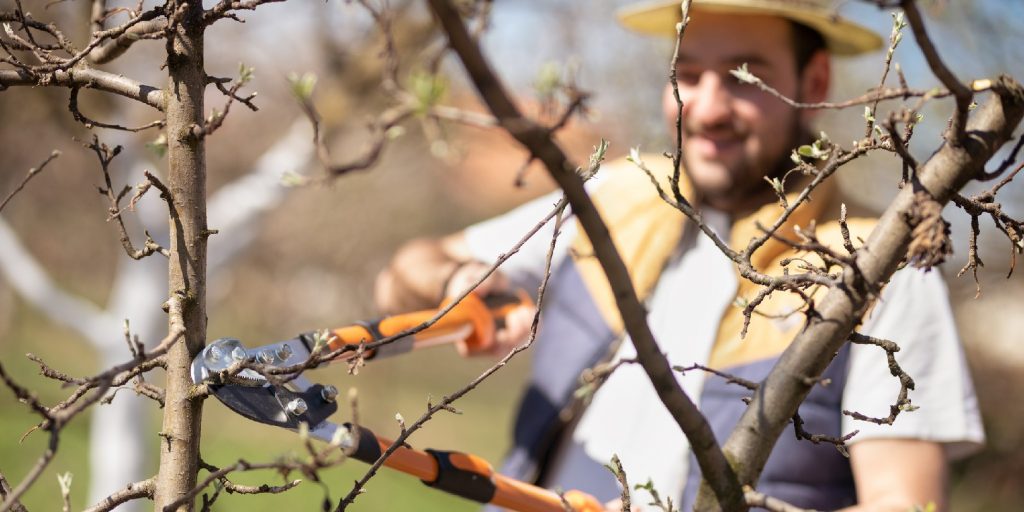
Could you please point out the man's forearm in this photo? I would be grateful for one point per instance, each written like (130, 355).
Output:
(415, 277)
(898, 474)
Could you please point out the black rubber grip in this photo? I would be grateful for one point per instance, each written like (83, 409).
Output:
(460, 482)
(368, 450)
(497, 300)
(372, 327)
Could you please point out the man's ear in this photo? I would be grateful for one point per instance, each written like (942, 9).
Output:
(815, 80)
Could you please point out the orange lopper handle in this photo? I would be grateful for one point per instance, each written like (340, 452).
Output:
(470, 477)
(470, 324)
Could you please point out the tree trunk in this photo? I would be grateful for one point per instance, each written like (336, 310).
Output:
(179, 443)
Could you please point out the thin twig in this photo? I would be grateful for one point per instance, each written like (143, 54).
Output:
(757, 499)
(729, 378)
(894, 40)
(33, 474)
(132, 491)
(28, 176)
(216, 118)
(620, 475)
(962, 93)
(116, 47)
(89, 123)
(241, 465)
(106, 155)
(906, 382)
(5, 490)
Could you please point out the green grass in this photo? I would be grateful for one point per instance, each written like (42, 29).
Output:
(30, 333)
(401, 385)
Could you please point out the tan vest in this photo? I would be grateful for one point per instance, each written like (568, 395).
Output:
(646, 230)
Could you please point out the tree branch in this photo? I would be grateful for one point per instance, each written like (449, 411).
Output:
(713, 463)
(757, 499)
(807, 356)
(5, 489)
(56, 417)
(86, 78)
(906, 382)
(116, 47)
(133, 491)
(106, 156)
(28, 176)
(962, 93)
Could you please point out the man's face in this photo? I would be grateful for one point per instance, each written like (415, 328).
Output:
(734, 134)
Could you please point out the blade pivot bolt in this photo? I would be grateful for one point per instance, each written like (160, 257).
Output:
(214, 354)
(266, 356)
(296, 407)
(284, 352)
(329, 393)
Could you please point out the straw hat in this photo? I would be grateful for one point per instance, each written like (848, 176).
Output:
(843, 37)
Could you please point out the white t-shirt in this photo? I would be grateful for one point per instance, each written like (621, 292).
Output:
(627, 419)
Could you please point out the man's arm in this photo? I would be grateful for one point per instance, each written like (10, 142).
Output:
(422, 267)
(898, 474)
(426, 270)
(418, 271)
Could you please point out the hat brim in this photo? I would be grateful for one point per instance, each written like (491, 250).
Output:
(841, 36)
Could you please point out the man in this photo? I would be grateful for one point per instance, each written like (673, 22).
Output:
(734, 135)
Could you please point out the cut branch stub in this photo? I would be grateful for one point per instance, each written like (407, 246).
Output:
(929, 242)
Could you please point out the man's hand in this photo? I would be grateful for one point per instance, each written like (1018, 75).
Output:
(425, 271)
(517, 323)
(464, 275)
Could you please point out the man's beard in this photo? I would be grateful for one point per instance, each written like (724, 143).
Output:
(777, 167)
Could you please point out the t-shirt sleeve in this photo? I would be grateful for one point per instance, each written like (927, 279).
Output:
(492, 238)
(914, 312)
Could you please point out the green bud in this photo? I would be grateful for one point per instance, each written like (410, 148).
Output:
(428, 89)
(549, 78)
(634, 156)
(302, 85)
(245, 73)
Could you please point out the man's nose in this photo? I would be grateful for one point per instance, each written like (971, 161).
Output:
(712, 103)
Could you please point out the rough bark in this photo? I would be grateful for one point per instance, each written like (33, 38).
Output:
(179, 443)
(778, 398)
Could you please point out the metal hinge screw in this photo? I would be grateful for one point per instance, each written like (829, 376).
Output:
(214, 354)
(329, 393)
(266, 356)
(296, 407)
(284, 352)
